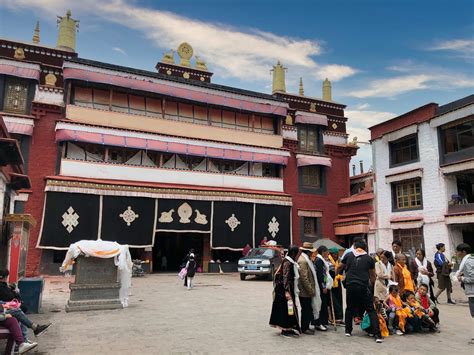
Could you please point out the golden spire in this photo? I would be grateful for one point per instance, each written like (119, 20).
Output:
(278, 78)
(36, 35)
(327, 95)
(301, 91)
(67, 32)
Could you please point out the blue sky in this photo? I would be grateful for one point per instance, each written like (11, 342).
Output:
(383, 57)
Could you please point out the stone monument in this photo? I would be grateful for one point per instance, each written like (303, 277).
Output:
(96, 286)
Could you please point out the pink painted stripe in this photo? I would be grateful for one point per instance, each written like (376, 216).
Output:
(312, 119)
(13, 70)
(194, 94)
(19, 128)
(305, 160)
(172, 147)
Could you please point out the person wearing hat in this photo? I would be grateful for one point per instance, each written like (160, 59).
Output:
(309, 293)
(336, 287)
(443, 269)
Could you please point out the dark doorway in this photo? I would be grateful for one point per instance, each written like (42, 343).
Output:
(174, 247)
(468, 237)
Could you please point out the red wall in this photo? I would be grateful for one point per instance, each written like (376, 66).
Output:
(41, 163)
(337, 187)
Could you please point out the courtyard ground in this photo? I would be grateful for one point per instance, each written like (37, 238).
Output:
(221, 315)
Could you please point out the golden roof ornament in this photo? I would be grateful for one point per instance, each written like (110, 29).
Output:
(168, 58)
(200, 64)
(19, 54)
(185, 53)
(50, 79)
(67, 32)
(301, 90)
(278, 84)
(36, 35)
(327, 94)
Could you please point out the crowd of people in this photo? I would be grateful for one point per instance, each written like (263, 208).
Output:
(386, 294)
(13, 318)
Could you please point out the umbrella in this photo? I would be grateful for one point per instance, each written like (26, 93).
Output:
(327, 243)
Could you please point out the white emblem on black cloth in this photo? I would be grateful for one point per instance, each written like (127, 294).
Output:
(166, 217)
(129, 216)
(273, 227)
(200, 218)
(232, 222)
(185, 212)
(70, 219)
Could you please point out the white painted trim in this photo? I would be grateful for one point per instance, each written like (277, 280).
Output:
(468, 218)
(20, 64)
(418, 173)
(99, 225)
(150, 136)
(406, 225)
(40, 235)
(332, 139)
(306, 213)
(452, 116)
(457, 167)
(20, 120)
(151, 79)
(154, 223)
(94, 170)
(406, 131)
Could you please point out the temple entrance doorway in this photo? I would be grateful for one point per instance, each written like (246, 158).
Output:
(174, 247)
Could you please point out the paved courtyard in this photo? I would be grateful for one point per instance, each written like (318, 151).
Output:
(221, 315)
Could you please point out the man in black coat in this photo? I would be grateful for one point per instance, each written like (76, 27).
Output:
(321, 274)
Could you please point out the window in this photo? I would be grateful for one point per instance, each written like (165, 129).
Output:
(310, 226)
(407, 195)
(311, 176)
(411, 239)
(16, 96)
(458, 137)
(404, 151)
(308, 139)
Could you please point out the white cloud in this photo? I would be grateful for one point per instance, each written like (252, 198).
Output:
(465, 47)
(392, 87)
(230, 52)
(119, 50)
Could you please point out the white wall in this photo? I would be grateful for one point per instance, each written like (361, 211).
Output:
(434, 192)
(170, 176)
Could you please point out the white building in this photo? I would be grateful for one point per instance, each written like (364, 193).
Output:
(424, 177)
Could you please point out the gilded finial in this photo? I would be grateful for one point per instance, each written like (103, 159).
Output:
(327, 94)
(36, 35)
(278, 84)
(301, 91)
(67, 32)
(168, 57)
(185, 53)
(200, 64)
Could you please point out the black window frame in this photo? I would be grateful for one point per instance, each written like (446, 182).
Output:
(321, 190)
(318, 144)
(310, 238)
(460, 154)
(398, 144)
(31, 86)
(394, 195)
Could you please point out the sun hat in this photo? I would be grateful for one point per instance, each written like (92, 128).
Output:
(308, 246)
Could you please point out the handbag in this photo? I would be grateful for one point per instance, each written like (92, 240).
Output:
(365, 324)
(182, 274)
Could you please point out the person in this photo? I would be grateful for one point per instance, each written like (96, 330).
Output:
(246, 250)
(419, 313)
(184, 262)
(378, 253)
(396, 249)
(465, 275)
(443, 269)
(8, 293)
(359, 268)
(422, 271)
(322, 272)
(9, 322)
(309, 296)
(164, 263)
(402, 276)
(383, 271)
(263, 242)
(336, 290)
(284, 313)
(397, 311)
(191, 267)
(382, 317)
(428, 304)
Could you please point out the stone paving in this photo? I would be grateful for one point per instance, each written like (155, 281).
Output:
(220, 315)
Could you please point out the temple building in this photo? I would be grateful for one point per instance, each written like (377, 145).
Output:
(166, 160)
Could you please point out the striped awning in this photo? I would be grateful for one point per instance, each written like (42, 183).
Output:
(162, 144)
(21, 69)
(311, 118)
(305, 160)
(19, 125)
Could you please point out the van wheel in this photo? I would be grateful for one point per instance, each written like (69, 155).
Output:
(242, 277)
